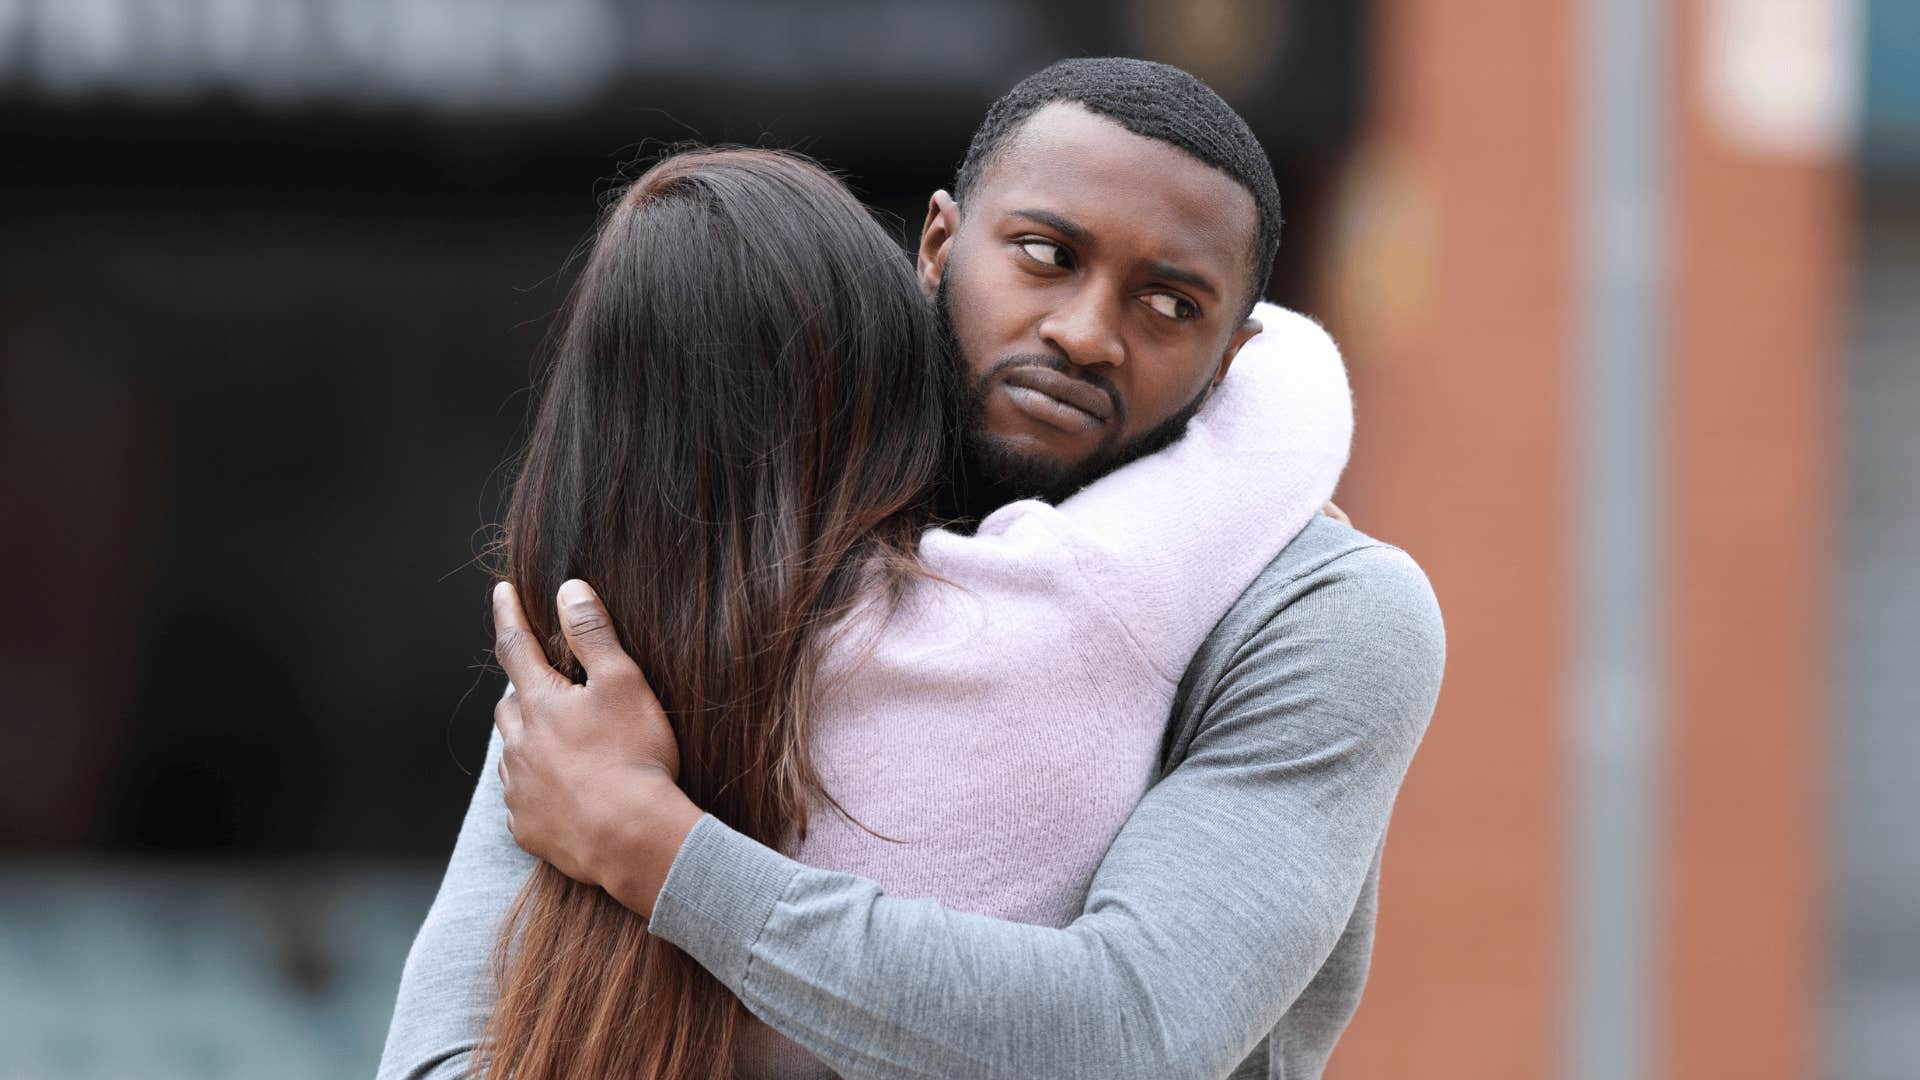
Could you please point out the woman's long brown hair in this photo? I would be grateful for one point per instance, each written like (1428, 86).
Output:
(741, 430)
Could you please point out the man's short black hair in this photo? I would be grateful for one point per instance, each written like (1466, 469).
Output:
(1153, 100)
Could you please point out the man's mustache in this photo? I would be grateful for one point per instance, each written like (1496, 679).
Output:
(1065, 367)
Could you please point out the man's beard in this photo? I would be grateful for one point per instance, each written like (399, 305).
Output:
(993, 473)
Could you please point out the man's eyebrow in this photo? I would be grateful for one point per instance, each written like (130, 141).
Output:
(1171, 272)
(1078, 234)
(1053, 221)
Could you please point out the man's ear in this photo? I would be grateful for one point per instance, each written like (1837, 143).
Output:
(1241, 335)
(936, 240)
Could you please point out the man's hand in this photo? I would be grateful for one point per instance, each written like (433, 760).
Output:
(589, 770)
(1336, 514)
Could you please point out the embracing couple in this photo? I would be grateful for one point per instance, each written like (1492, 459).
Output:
(969, 684)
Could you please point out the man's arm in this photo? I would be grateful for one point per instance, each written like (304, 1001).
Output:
(447, 988)
(1220, 899)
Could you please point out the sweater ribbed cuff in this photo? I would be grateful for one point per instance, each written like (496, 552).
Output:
(719, 894)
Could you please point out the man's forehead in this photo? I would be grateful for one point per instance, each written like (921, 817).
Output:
(1119, 185)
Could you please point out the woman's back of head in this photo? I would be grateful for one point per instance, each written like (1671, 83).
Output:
(746, 411)
(742, 303)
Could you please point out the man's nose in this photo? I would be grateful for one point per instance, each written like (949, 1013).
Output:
(1086, 329)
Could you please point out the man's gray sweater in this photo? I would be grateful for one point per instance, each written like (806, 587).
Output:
(1227, 932)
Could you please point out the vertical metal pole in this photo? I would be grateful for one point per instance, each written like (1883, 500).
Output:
(1618, 512)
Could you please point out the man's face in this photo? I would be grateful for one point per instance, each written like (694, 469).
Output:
(1093, 288)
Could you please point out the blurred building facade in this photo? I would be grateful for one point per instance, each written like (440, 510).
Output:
(1625, 288)
(1874, 860)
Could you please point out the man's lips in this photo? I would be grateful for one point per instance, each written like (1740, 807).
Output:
(1057, 399)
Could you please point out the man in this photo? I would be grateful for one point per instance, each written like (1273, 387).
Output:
(1111, 227)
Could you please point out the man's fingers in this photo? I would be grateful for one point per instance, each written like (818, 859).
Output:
(514, 645)
(589, 630)
(506, 717)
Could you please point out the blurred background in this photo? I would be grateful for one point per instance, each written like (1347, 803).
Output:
(1630, 291)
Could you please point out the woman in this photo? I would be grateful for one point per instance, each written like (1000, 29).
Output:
(740, 443)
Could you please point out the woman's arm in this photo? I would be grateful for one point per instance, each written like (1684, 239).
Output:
(1169, 540)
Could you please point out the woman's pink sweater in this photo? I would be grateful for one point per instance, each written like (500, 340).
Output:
(1000, 723)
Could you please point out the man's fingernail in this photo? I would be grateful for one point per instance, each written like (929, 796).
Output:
(501, 590)
(574, 592)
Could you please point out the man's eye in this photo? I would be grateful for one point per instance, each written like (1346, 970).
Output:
(1043, 251)
(1173, 307)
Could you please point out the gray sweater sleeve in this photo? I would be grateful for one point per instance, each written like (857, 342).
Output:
(447, 988)
(1221, 898)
